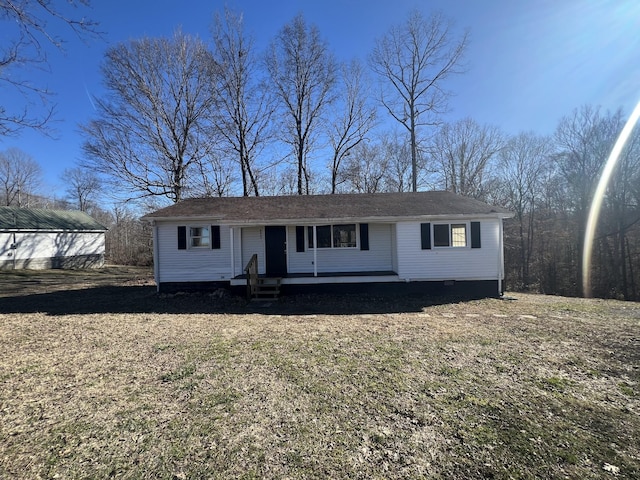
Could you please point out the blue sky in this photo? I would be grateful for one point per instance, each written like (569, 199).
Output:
(530, 62)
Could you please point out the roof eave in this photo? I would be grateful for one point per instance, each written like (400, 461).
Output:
(324, 220)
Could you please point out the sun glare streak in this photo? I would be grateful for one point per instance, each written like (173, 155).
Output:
(598, 197)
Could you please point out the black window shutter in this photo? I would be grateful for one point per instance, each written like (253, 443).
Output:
(425, 236)
(310, 237)
(475, 234)
(182, 238)
(215, 236)
(299, 239)
(364, 236)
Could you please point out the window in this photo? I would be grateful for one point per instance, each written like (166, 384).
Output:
(441, 235)
(450, 235)
(344, 236)
(333, 236)
(199, 237)
(323, 233)
(459, 235)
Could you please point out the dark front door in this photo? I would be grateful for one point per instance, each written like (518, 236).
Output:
(275, 239)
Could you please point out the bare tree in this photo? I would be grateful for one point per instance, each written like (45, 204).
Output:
(83, 187)
(523, 165)
(621, 216)
(246, 106)
(153, 127)
(355, 120)
(413, 60)
(20, 177)
(583, 144)
(464, 152)
(128, 240)
(214, 176)
(278, 180)
(397, 154)
(365, 168)
(27, 27)
(303, 74)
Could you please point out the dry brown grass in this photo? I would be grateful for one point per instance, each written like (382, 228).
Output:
(539, 387)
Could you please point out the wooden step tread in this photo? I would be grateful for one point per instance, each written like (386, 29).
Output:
(266, 287)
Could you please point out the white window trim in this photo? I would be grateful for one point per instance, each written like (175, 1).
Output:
(309, 240)
(190, 238)
(467, 233)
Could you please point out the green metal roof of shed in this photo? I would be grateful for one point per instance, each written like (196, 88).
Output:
(15, 218)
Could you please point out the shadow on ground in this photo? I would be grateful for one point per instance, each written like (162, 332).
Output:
(120, 289)
(144, 299)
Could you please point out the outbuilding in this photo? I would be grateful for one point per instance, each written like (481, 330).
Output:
(35, 238)
(436, 242)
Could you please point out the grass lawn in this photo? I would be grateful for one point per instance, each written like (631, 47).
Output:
(312, 387)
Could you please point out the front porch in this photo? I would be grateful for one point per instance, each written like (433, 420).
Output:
(325, 278)
(268, 287)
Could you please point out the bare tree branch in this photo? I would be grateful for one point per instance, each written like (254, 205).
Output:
(353, 122)
(246, 106)
(413, 60)
(20, 176)
(303, 74)
(465, 152)
(83, 187)
(26, 26)
(154, 124)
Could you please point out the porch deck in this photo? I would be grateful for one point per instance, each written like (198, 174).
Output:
(327, 277)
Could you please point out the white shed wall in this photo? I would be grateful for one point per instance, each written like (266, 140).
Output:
(448, 263)
(36, 249)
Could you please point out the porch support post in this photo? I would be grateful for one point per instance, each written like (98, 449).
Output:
(315, 252)
(233, 263)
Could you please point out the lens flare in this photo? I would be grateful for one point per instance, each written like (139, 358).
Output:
(598, 197)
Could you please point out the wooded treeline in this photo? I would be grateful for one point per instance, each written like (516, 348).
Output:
(184, 116)
(548, 182)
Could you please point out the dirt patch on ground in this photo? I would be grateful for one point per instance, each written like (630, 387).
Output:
(34, 282)
(136, 385)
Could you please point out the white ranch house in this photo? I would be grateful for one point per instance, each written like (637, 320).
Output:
(33, 238)
(434, 241)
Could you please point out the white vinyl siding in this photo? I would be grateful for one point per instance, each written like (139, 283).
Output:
(392, 247)
(379, 257)
(38, 247)
(460, 263)
(253, 243)
(193, 264)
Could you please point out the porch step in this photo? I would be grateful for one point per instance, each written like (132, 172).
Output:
(266, 288)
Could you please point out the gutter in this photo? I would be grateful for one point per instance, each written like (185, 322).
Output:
(321, 220)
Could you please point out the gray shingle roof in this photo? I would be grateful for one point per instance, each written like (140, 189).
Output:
(334, 207)
(14, 218)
